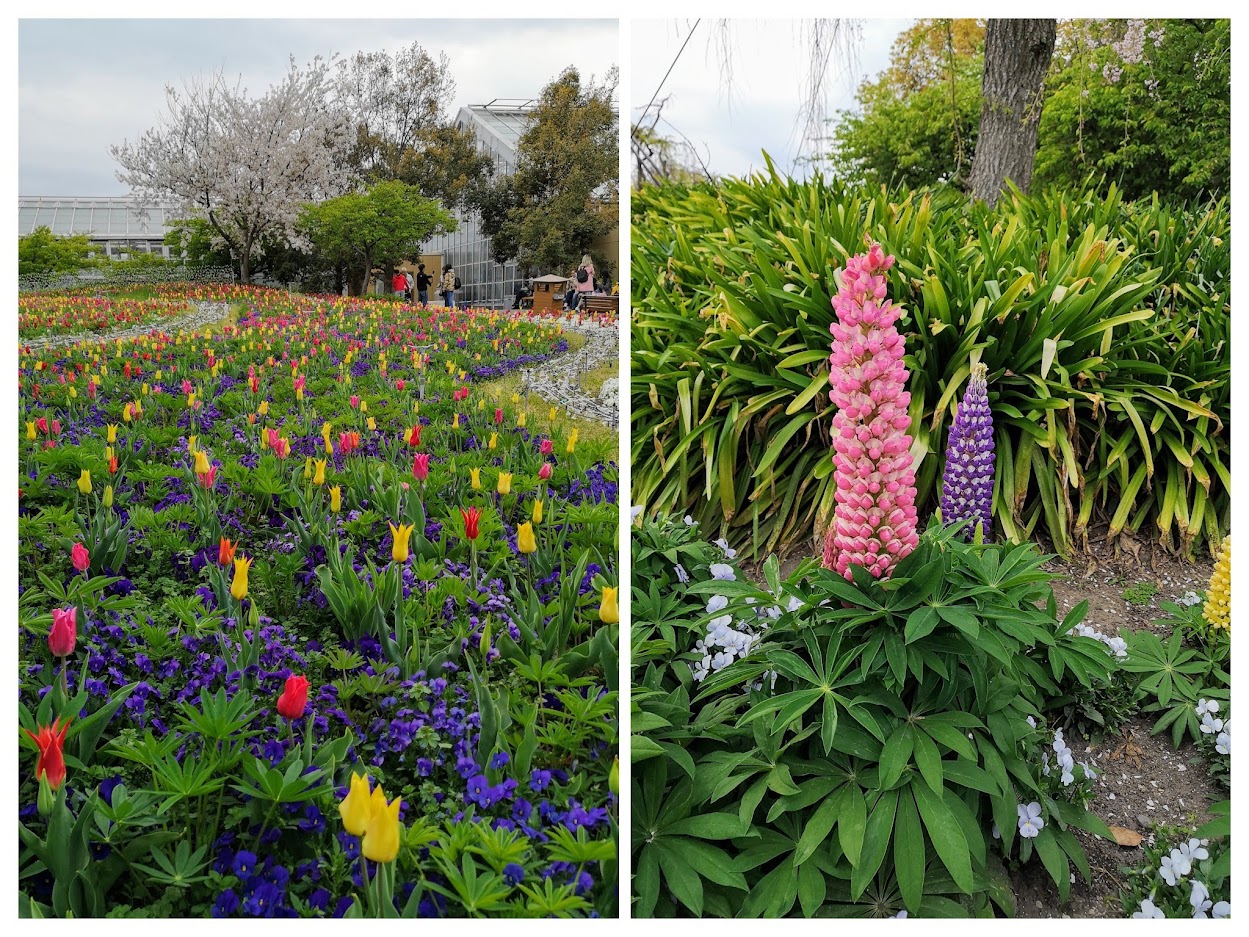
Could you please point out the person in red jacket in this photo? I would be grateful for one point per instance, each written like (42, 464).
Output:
(399, 283)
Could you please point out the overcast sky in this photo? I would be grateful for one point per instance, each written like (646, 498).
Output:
(87, 84)
(760, 108)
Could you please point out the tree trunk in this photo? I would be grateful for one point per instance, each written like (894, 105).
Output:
(1017, 55)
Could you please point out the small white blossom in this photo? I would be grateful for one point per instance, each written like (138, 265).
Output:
(1223, 744)
(1030, 822)
(1207, 706)
(1211, 725)
(1221, 909)
(635, 512)
(724, 545)
(722, 571)
(717, 602)
(1167, 868)
(1148, 910)
(1200, 900)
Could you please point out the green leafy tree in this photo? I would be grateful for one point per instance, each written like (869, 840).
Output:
(1146, 103)
(382, 225)
(42, 252)
(566, 189)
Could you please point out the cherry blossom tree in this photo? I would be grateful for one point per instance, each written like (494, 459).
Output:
(247, 165)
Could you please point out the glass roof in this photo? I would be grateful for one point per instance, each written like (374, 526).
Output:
(100, 218)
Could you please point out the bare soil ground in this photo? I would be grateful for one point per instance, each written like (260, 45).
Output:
(1143, 781)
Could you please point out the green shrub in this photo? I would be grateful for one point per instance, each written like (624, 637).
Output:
(865, 748)
(1104, 326)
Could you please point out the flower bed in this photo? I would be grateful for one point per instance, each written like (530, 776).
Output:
(311, 625)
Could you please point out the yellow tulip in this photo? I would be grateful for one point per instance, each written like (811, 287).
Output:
(553, 413)
(336, 498)
(263, 408)
(30, 431)
(505, 483)
(238, 588)
(608, 609)
(401, 534)
(264, 440)
(455, 424)
(356, 808)
(474, 476)
(381, 837)
(572, 442)
(125, 414)
(190, 444)
(494, 441)
(537, 511)
(299, 393)
(525, 541)
(308, 468)
(112, 433)
(520, 420)
(202, 465)
(372, 424)
(325, 431)
(108, 496)
(73, 393)
(515, 398)
(318, 475)
(481, 404)
(84, 482)
(364, 406)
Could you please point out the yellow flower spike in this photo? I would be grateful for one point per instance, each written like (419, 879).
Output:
(336, 498)
(84, 482)
(401, 534)
(238, 588)
(108, 496)
(31, 432)
(525, 541)
(505, 483)
(494, 441)
(474, 477)
(1218, 608)
(318, 474)
(537, 511)
(608, 608)
(381, 837)
(356, 808)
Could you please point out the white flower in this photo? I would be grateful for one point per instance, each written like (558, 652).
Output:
(1032, 722)
(689, 521)
(1210, 725)
(724, 545)
(901, 916)
(717, 602)
(1067, 777)
(722, 660)
(1221, 909)
(1223, 744)
(635, 512)
(682, 575)
(1030, 822)
(795, 603)
(1168, 869)
(1200, 900)
(997, 834)
(1088, 771)
(1148, 910)
(1207, 706)
(723, 571)
(1194, 850)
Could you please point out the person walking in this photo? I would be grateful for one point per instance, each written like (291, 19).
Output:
(398, 283)
(448, 285)
(584, 283)
(423, 280)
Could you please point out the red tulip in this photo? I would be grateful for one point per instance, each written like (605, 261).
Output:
(471, 518)
(42, 423)
(414, 437)
(545, 472)
(64, 634)
(498, 416)
(80, 557)
(399, 384)
(225, 552)
(294, 697)
(50, 740)
(56, 427)
(207, 479)
(420, 466)
(112, 465)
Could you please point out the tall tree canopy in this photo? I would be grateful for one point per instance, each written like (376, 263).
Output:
(565, 191)
(245, 164)
(1145, 102)
(383, 225)
(42, 252)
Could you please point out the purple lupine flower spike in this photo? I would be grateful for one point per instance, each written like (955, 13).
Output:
(967, 488)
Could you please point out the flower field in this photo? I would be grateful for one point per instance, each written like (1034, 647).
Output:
(314, 620)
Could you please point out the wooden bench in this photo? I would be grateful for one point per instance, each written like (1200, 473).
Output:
(601, 303)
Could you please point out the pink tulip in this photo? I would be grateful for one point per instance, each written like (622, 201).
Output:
(400, 384)
(498, 416)
(355, 401)
(80, 557)
(420, 466)
(545, 472)
(64, 635)
(546, 447)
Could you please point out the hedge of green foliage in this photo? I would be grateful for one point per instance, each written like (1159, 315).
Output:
(1104, 324)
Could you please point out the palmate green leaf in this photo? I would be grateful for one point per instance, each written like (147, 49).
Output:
(946, 835)
(910, 852)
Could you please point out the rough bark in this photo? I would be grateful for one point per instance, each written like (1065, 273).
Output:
(1017, 54)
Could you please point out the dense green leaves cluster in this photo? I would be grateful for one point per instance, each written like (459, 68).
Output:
(1104, 326)
(869, 754)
